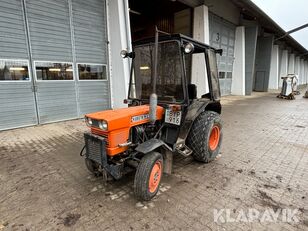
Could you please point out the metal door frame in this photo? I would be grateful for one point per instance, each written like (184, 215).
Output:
(29, 48)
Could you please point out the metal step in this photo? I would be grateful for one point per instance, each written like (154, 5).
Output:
(183, 150)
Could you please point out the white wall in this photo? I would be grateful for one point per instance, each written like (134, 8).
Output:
(283, 66)
(306, 73)
(200, 33)
(238, 79)
(120, 38)
(291, 67)
(201, 30)
(302, 72)
(274, 70)
(297, 66)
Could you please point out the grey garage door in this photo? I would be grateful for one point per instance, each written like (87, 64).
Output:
(90, 35)
(51, 49)
(17, 103)
(53, 60)
(223, 36)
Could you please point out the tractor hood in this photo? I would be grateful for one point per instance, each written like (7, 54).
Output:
(126, 117)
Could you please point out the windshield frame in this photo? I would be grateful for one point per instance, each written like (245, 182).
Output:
(183, 77)
(211, 58)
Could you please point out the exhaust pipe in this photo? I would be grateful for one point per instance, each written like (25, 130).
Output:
(153, 107)
(153, 96)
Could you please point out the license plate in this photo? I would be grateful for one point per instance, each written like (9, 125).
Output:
(173, 117)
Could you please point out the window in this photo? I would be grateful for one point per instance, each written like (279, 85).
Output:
(92, 72)
(54, 71)
(229, 75)
(169, 86)
(222, 75)
(13, 70)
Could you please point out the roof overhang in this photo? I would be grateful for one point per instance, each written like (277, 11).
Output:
(192, 3)
(269, 25)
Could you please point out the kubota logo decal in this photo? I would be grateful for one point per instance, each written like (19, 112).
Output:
(140, 117)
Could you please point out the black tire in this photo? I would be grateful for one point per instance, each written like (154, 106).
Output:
(143, 175)
(92, 166)
(198, 139)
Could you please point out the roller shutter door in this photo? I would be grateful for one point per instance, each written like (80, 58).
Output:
(91, 48)
(17, 103)
(53, 60)
(51, 47)
(222, 35)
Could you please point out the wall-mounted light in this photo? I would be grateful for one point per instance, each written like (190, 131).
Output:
(144, 68)
(54, 69)
(17, 69)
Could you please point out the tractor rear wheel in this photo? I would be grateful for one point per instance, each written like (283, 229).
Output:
(148, 176)
(205, 136)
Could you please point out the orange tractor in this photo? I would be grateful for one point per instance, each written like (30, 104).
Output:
(164, 116)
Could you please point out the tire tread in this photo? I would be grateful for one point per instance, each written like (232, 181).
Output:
(197, 138)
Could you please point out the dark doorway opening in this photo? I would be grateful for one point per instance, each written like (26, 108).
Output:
(168, 15)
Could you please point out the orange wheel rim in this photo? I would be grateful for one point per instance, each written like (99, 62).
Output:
(214, 138)
(155, 176)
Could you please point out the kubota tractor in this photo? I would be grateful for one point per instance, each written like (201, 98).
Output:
(164, 116)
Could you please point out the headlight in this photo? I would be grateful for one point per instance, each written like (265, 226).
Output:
(103, 125)
(89, 121)
(189, 48)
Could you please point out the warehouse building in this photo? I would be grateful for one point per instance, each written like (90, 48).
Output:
(59, 59)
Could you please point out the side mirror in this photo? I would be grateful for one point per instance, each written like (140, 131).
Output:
(219, 51)
(125, 54)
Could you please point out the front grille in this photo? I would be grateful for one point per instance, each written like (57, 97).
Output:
(94, 150)
(100, 133)
(106, 139)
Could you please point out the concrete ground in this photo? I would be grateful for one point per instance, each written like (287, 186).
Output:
(44, 184)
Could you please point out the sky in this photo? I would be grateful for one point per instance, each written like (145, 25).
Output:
(288, 14)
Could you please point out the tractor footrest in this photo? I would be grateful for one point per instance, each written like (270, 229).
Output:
(184, 150)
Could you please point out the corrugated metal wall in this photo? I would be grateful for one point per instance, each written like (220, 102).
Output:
(93, 96)
(49, 26)
(13, 43)
(50, 39)
(90, 30)
(56, 101)
(52, 31)
(91, 46)
(17, 105)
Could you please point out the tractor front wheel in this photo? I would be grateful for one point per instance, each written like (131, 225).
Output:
(205, 136)
(92, 166)
(148, 176)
